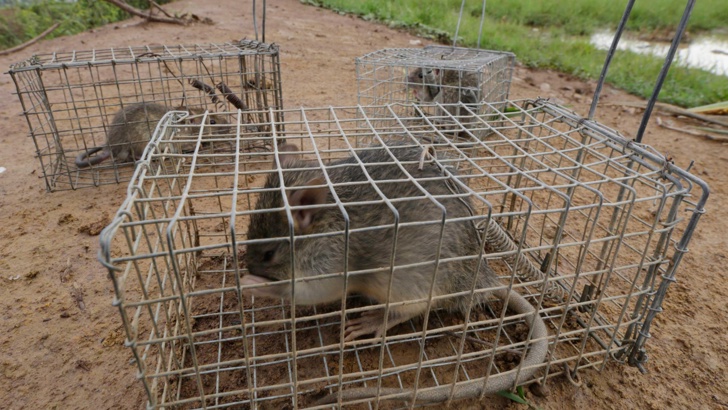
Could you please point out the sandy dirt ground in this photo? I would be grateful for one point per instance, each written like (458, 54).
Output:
(61, 344)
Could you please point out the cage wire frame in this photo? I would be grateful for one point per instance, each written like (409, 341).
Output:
(613, 244)
(597, 214)
(470, 75)
(69, 98)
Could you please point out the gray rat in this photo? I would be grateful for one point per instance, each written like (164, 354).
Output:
(131, 130)
(371, 249)
(445, 86)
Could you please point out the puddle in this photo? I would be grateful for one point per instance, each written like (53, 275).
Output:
(708, 53)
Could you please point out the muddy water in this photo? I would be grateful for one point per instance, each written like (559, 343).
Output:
(708, 53)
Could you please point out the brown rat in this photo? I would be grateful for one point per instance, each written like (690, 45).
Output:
(131, 130)
(371, 249)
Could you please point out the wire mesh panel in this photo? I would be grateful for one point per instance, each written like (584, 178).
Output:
(435, 74)
(70, 99)
(230, 267)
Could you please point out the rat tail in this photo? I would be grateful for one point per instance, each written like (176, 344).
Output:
(83, 160)
(538, 349)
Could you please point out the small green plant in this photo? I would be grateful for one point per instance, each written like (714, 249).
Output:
(518, 397)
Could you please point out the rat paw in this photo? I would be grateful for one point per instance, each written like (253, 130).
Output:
(369, 322)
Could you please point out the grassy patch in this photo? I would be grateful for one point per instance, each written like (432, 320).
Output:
(578, 17)
(21, 23)
(548, 34)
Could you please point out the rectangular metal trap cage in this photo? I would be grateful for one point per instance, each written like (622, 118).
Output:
(70, 98)
(435, 74)
(588, 226)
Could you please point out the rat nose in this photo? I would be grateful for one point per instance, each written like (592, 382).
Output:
(261, 269)
(255, 268)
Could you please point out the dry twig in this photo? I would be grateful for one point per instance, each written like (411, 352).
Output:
(136, 12)
(77, 295)
(154, 4)
(675, 111)
(19, 47)
(670, 126)
(66, 272)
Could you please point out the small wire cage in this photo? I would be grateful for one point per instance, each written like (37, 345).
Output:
(435, 74)
(70, 98)
(591, 228)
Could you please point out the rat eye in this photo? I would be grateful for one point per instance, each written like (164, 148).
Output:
(213, 122)
(419, 75)
(268, 256)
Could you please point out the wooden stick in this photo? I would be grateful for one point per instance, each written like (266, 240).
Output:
(136, 12)
(671, 109)
(154, 4)
(669, 126)
(49, 30)
(712, 130)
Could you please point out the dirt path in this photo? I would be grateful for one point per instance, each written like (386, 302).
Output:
(60, 353)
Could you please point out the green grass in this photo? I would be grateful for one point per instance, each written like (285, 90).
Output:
(583, 16)
(576, 17)
(549, 34)
(20, 23)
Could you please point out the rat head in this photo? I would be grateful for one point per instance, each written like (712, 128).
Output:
(271, 261)
(218, 124)
(215, 123)
(424, 82)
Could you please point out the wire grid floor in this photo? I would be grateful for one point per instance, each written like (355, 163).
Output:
(69, 98)
(597, 212)
(316, 331)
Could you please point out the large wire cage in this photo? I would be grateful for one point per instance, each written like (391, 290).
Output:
(70, 98)
(446, 75)
(587, 225)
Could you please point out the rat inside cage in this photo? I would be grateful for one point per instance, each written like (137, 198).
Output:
(435, 74)
(70, 100)
(589, 224)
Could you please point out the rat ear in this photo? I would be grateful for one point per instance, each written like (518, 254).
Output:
(288, 154)
(303, 218)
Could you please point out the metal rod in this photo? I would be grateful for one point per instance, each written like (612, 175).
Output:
(610, 54)
(482, 19)
(457, 28)
(255, 21)
(665, 67)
